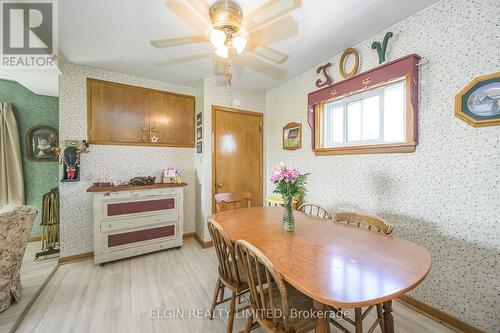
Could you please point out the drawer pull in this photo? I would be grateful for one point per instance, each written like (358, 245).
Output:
(334, 92)
(366, 81)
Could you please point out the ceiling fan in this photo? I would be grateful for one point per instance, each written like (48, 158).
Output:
(237, 39)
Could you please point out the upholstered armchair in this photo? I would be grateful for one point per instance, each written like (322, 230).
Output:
(15, 227)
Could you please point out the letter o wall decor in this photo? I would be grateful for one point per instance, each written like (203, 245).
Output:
(355, 68)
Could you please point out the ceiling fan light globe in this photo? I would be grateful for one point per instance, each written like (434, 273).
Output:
(239, 43)
(222, 51)
(217, 38)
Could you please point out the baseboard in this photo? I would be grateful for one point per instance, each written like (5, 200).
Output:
(75, 258)
(203, 245)
(35, 238)
(188, 235)
(438, 315)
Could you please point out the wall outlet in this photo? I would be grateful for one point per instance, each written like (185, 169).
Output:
(72, 143)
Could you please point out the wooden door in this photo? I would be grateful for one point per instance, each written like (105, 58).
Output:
(237, 152)
(172, 119)
(120, 114)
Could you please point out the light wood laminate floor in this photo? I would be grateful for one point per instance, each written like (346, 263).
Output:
(33, 275)
(119, 297)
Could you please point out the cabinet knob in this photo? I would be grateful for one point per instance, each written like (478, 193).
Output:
(153, 129)
(144, 129)
(219, 185)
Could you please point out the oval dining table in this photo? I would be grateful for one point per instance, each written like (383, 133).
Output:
(335, 264)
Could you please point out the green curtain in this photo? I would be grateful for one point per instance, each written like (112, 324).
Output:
(11, 167)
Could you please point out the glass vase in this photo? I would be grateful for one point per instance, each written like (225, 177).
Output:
(288, 219)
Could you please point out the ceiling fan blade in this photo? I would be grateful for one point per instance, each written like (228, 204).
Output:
(264, 68)
(219, 65)
(201, 7)
(182, 60)
(269, 11)
(270, 54)
(279, 30)
(186, 14)
(169, 42)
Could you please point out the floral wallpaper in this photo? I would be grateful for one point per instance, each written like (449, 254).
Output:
(117, 162)
(211, 92)
(445, 196)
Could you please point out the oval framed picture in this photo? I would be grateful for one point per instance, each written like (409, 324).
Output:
(478, 104)
(39, 142)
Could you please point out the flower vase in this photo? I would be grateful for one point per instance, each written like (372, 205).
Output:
(288, 219)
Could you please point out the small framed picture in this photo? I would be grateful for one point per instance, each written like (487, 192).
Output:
(198, 133)
(478, 104)
(198, 147)
(292, 136)
(40, 141)
(199, 119)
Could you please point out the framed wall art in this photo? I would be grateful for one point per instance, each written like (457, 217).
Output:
(199, 146)
(39, 143)
(478, 104)
(199, 133)
(199, 119)
(292, 136)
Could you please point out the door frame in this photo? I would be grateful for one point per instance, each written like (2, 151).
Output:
(260, 115)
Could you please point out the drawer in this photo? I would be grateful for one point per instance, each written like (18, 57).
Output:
(137, 222)
(127, 239)
(117, 208)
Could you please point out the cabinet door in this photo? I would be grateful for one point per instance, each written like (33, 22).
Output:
(118, 114)
(172, 119)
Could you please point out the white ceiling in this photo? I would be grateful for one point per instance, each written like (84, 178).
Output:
(115, 34)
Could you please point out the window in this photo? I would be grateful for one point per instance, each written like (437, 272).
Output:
(373, 117)
(366, 122)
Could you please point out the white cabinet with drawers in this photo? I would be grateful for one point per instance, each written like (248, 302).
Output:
(133, 220)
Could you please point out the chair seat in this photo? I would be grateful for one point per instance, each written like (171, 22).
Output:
(301, 311)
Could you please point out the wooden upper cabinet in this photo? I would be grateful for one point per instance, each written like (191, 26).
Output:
(127, 115)
(172, 119)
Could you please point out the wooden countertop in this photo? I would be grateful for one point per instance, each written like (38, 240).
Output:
(132, 187)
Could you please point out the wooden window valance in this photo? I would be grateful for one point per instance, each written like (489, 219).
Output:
(403, 69)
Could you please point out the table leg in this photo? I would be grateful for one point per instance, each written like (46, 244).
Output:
(322, 325)
(388, 318)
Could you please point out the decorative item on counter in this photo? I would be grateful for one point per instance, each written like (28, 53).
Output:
(478, 104)
(142, 181)
(289, 184)
(354, 69)
(171, 176)
(292, 136)
(102, 181)
(41, 141)
(323, 70)
(382, 49)
(70, 157)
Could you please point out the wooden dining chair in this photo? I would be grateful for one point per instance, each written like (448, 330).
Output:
(365, 221)
(271, 298)
(375, 224)
(275, 200)
(231, 274)
(315, 210)
(230, 201)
